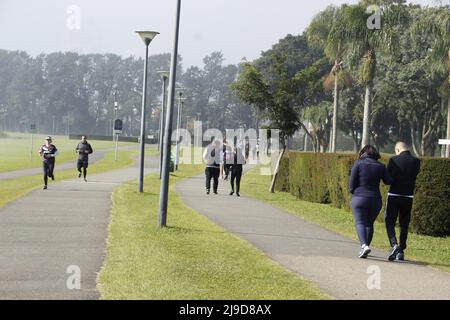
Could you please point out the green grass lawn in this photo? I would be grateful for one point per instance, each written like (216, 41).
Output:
(15, 151)
(191, 259)
(430, 250)
(13, 189)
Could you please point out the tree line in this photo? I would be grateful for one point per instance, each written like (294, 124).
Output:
(67, 92)
(343, 78)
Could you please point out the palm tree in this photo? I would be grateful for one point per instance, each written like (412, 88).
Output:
(436, 22)
(322, 32)
(363, 44)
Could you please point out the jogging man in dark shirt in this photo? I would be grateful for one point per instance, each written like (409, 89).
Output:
(403, 168)
(48, 152)
(83, 149)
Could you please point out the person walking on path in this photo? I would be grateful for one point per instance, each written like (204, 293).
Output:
(364, 185)
(48, 152)
(227, 159)
(84, 149)
(236, 170)
(212, 156)
(403, 168)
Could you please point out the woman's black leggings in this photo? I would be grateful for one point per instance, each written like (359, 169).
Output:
(365, 211)
(48, 167)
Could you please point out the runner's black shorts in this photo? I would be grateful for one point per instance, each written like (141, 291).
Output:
(82, 164)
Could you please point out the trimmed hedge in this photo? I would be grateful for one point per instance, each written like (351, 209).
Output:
(323, 178)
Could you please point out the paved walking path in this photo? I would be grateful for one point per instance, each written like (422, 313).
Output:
(321, 256)
(94, 157)
(45, 232)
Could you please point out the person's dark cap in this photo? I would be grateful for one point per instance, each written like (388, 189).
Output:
(48, 138)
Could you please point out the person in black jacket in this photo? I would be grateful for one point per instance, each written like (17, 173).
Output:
(364, 185)
(48, 152)
(236, 170)
(403, 168)
(84, 149)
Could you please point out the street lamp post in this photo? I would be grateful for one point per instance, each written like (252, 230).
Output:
(180, 104)
(116, 107)
(147, 37)
(164, 75)
(164, 192)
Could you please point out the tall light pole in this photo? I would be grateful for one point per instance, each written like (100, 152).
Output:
(147, 37)
(164, 75)
(180, 104)
(164, 192)
(116, 108)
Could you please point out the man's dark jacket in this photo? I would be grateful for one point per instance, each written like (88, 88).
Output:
(403, 169)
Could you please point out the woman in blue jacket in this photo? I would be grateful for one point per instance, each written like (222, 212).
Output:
(364, 185)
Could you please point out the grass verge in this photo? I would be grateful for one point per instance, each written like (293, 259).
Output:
(191, 259)
(433, 251)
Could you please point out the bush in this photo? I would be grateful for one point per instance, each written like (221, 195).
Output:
(431, 212)
(323, 178)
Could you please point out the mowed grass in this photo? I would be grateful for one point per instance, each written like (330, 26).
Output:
(13, 189)
(429, 250)
(16, 152)
(193, 258)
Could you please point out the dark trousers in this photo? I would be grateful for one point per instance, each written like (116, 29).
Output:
(212, 173)
(82, 164)
(398, 207)
(365, 212)
(236, 174)
(48, 167)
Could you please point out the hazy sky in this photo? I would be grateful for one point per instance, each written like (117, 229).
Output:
(238, 28)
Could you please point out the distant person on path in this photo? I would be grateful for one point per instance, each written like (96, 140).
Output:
(364, 185)
(403, 168)
(48, 152)
(236, 170)
(84, 149)
(213, 159)
(227, 159)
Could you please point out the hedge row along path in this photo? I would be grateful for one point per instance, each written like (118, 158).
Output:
(321, 256)
(46, 232)
(94, 157)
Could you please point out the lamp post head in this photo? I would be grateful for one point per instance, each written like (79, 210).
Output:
(164, 74)
(147, 36)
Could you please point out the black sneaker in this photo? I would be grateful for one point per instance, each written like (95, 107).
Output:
(400, 256)
(393, 254)
(45, 188)
(79, 175)
(237, 194)
(85, 180)
(215, 192)
(231, 193)
(207, 191)
(53, 177)
(364, 252)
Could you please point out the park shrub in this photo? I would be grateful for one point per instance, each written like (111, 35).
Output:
(431, 211)
(323, 178)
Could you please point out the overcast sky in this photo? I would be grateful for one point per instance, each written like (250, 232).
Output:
(238, 28)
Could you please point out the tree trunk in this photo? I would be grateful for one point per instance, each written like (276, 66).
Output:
(275, 174)
(335, 114)
(366, 117)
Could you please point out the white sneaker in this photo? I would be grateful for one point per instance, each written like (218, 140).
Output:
(365, 250)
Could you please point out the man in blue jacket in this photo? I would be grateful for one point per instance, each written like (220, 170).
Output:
(403, 168)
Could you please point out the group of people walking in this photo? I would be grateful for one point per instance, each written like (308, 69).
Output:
(366, 175)
(223, 160)
(48, 153)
